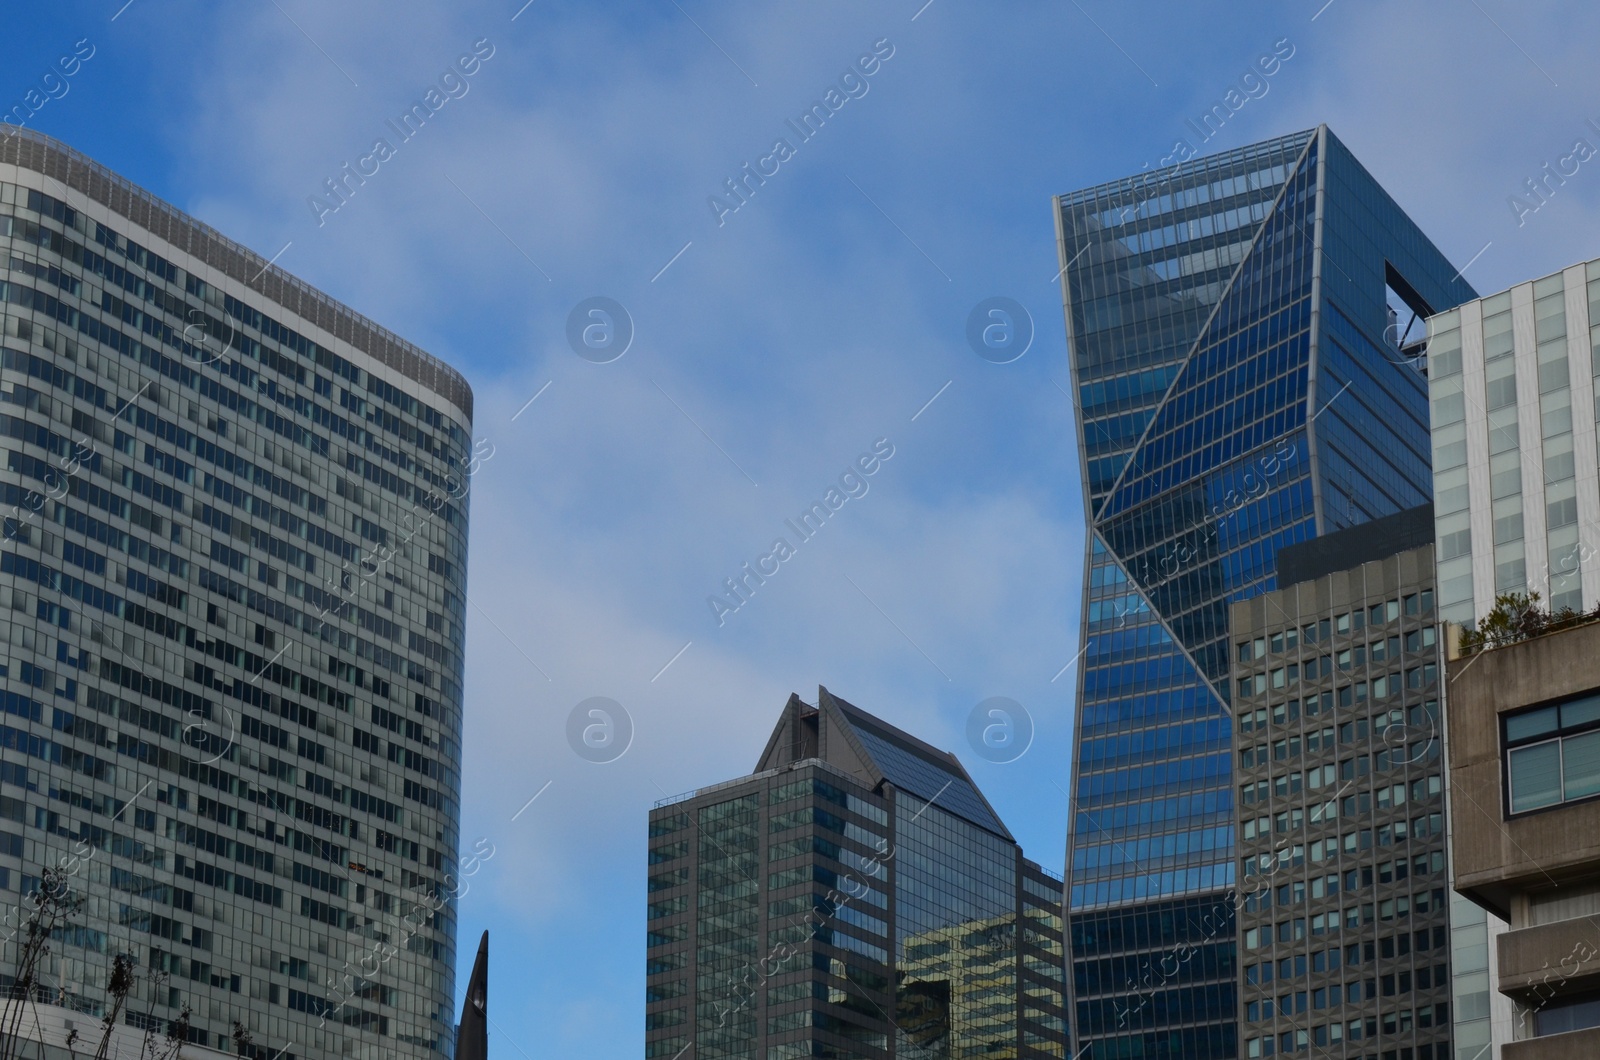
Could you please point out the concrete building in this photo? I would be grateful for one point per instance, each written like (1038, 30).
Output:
(232, 572)
(1511, 382)
(1342, 896)
(1523, 739)
(854, 897)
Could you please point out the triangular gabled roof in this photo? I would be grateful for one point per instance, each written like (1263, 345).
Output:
(875, 752)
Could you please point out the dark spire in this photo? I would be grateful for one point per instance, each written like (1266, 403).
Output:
(472, 1036)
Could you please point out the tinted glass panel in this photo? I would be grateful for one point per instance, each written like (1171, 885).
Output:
(1535, 776)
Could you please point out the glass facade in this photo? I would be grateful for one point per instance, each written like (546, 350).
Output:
(856, 897)
(232, 577)
(1237, 390)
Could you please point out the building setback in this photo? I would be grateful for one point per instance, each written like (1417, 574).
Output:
(233, 570)
(854, 897)
(1342, 898)
(1243, 338)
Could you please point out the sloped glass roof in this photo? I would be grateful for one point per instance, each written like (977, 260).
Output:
(909, 770)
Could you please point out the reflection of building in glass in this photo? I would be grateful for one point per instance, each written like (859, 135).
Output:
(856, 896)
(963, 975)
(1344, 934)
(233, 566)
(1239, 386)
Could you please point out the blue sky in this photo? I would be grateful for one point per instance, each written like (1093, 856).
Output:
(770, 349)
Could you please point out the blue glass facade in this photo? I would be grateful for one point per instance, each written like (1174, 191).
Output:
(1237, 390)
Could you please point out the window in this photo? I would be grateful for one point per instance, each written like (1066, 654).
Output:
(1553, 754)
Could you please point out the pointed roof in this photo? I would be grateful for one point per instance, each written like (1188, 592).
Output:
(472, 1035)
(874, 751)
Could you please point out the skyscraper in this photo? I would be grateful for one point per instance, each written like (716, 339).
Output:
(233, 567)
(1342, 900)
(1245, 375)
(1512, 387)
(854, 897)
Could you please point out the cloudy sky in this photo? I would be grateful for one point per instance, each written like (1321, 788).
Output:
(772, 344)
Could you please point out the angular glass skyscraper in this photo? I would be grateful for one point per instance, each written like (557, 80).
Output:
(1244, 373)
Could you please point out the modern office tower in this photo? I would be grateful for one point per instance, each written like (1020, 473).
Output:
(1239, 386)
(1523, 727)
(1515, 483)
(854, 897)
(1344, 937)
(232, 570)
(1513, 395)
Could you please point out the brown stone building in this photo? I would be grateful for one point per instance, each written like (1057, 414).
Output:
(1523, 746)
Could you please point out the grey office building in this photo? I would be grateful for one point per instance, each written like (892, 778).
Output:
(232, 574)
(854, 897)
(1342, 902)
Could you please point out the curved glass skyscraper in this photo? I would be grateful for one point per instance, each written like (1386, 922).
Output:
(232, 586)
(1244, 376)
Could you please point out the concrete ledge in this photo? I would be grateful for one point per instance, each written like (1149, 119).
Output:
(1495, 857)
(1551, 959)
(1575, 1045)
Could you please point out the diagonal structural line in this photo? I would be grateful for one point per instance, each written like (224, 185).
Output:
(272, 262)
(507, 636)
(131, 400)
(497, 228)
(1468, 265)
(1514, 44)
(546, 783)
(521, 9)
(114, 17)
(708, 437)
(670, 661)
(506, 1037)
(1074, 659)
(315, 45)
(897, 228)
(935, 798)
(1331, 400)
(931, 400)
(1321, 9)
(1114, 43)
(914, 17)
(714, 44)
(1073, 262)
(675, 257)
(531, 400)
(896, 625)
(269, 663)
(1200, 336)
(131, 801)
